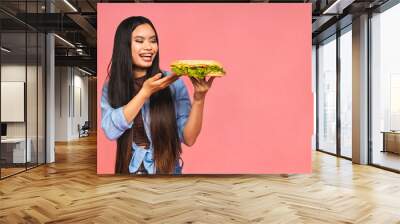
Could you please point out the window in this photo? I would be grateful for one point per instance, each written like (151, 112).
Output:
(346, 92)
(385, 88)
(327, 95)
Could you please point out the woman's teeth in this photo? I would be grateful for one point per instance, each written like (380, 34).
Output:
(146, 57)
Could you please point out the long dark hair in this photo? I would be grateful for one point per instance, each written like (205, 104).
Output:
(163, 127)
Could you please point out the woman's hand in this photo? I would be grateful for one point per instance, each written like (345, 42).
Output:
(150, 86)
(201, 87)
(156, 83)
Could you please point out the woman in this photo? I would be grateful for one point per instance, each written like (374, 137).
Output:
(146, 110)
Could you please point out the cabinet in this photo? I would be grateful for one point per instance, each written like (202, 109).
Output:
(391, 142)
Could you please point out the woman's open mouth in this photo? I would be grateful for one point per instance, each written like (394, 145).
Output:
(147, 57)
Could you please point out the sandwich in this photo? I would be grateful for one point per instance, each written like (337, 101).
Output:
(197, 68)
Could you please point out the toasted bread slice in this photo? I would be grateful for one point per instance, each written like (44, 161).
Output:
(215, 74)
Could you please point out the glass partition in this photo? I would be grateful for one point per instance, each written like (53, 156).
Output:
(22, 88)
(13, 103)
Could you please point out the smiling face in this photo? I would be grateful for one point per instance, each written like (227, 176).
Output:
(144, 46)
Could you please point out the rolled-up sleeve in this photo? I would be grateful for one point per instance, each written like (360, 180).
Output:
(183, 106)
(113, 120)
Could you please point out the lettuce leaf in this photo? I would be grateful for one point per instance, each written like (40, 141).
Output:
(197, 72)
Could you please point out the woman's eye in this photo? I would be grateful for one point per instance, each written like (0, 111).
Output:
(139, 41)
(154, 41)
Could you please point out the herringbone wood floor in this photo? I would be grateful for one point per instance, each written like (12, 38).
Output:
(69, 191)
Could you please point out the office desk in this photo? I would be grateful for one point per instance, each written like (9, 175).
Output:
(391, 141)
(13, 150)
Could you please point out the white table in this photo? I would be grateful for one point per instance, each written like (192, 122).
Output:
(18, 145)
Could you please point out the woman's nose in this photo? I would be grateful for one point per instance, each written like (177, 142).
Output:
(147, 46)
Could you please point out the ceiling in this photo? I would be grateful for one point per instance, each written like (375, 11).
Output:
(76, 22)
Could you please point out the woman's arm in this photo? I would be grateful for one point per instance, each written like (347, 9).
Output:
(113, 121)
(150, 86)
(194, 123)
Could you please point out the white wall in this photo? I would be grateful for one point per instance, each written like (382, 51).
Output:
(80, 89)
(15, 72)
(61, 103)
(12, 73)
(34, 125)
(71, 93)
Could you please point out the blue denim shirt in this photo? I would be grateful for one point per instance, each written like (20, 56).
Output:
(114, 124)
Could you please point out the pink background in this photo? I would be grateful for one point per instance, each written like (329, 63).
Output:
(258, 119)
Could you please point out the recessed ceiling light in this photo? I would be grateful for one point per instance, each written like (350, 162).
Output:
(84, 71)
(70, 5)
(5, 50)
(64, 40)
(338, 6)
